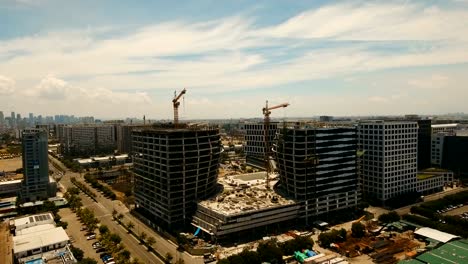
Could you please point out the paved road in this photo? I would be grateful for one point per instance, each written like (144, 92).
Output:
(103, 210)
(432, 197)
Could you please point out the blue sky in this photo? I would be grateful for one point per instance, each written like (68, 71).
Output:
(118, 59)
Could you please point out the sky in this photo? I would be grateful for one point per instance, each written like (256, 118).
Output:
(116, 59)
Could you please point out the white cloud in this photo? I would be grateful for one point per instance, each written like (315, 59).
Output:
(234, 53)
(435, 81)
(7, 85)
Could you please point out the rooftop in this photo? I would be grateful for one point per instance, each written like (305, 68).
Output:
(44, 218)
(452, 252)
(444, 125)
(435, 234)
(434, 170)
(244, 193)
(34, 229)
(39, 239)
(10, 182)
(424, 176)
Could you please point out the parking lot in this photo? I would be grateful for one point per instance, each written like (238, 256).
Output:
(457, 211)
(78, 237)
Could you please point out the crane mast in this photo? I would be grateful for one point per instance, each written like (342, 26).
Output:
(266, 126)
(176, 103)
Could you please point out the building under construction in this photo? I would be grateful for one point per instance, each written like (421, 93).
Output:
(174, 168)
(318, 167)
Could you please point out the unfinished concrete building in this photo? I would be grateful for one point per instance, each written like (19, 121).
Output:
(318, 167)
(174, 168)
(244, 205)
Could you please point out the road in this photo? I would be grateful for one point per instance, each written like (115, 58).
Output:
(103, 210)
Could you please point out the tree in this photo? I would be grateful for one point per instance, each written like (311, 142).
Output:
(270, 252)
(130, 226)
(78, 253)
(150, 242)
(103, 229)
(87, 261)
(389, 217)
(143, 236)
(224, 261)
(120, 217)
(114, 213)
(168, 258)
(358, 230)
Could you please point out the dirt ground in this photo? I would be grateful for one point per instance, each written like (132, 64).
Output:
(5, 244)
(11, 164)
(457, 211)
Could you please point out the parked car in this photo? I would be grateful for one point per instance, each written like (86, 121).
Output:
(99, 250)
(91, 237)
(83, 228)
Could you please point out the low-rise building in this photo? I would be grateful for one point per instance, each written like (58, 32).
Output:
(245, 204)
(10, 188)
(33, 220)
(429, 183)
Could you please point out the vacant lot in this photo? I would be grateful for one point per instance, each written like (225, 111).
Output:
(11, 164)
(5, 244)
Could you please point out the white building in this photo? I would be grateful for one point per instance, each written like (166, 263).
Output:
(33, 220)
(450, 128)
(39, 240)
(389, 165)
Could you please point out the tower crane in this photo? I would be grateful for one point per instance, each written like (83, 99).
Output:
(266, 126)
(176, 103)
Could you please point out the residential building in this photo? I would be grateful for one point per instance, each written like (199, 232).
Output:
(174, 168)
(318, 167)
(389, 165)
(87, 139)
(35, 165)
(124, 137)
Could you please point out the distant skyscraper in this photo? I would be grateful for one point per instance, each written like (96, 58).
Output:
(13, 119)
(2, 119)
(31, 119)
(35, 165)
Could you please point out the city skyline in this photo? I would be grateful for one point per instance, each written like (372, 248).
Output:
(343, 58)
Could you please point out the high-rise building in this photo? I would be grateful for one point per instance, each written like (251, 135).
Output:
(174, 168)
(124, 137)
(31, 119)
(13, 120)
(389, 165)
(35, 165)
(87, 139)
(255, 141)
(424, 143)
(2, 119)
(318, 166)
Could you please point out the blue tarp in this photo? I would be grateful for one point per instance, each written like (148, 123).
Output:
(35, 261)
(196, 232)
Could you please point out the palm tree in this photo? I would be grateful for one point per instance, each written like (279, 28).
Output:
(130, 226)
(114, 213)
(150, 242)
(143, 237)
(120, 217)
(168, 258)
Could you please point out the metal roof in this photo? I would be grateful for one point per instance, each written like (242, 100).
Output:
(435, 234)
(452, 252)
